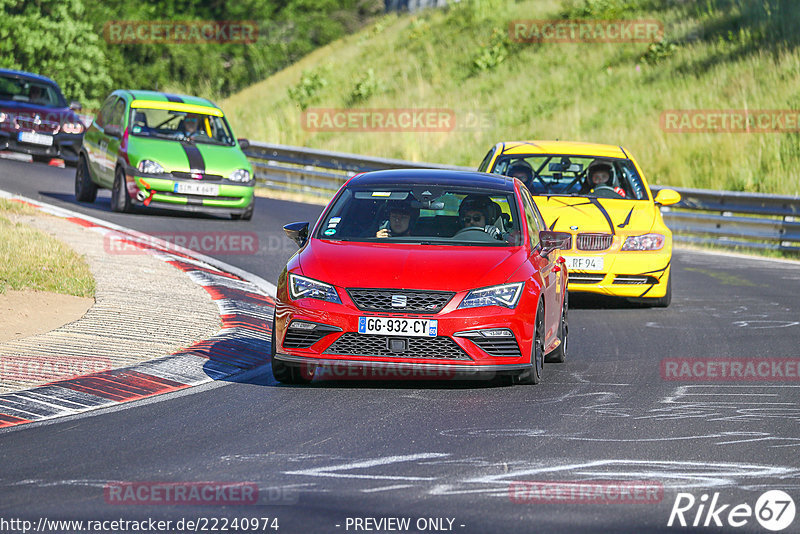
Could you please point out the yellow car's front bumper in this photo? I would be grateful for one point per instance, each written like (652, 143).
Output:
(624, 274)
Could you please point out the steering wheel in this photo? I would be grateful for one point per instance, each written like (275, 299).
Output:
(607, 192)
(474, 235)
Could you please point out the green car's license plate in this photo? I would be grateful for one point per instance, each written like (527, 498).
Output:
(208, 190)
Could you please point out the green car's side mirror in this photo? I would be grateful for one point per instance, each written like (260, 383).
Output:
(667, 197)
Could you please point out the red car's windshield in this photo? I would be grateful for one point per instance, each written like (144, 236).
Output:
(419, 216)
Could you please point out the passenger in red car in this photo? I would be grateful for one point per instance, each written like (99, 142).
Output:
(401, 220)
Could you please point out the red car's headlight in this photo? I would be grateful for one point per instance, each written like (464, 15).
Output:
(506, 295)
(302, 287)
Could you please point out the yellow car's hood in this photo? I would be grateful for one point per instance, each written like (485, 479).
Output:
(603, 215)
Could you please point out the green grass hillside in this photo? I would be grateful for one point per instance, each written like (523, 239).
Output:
(716, 54)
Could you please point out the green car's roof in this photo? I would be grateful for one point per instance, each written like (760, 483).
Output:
(156, 96)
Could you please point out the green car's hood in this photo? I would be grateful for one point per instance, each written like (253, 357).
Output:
(175, 156)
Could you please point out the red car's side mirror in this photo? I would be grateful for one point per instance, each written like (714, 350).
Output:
(551, 241)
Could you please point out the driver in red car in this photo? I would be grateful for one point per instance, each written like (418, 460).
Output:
(478, 211)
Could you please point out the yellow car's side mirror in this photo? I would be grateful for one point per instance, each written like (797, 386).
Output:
(667, 197)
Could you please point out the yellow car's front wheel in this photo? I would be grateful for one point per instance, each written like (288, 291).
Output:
(658, 302)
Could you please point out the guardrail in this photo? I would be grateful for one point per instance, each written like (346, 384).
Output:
(721, 218)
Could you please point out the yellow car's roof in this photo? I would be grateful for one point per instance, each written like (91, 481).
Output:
(572, 148)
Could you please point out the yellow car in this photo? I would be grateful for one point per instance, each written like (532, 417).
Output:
(620, 245)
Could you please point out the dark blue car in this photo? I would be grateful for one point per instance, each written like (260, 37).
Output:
(35, 118)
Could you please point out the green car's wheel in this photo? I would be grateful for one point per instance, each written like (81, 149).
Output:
(246, 215)
(534, 374)
(120, 200)
(85, 189)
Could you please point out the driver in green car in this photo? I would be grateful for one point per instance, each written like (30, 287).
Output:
(190, 124)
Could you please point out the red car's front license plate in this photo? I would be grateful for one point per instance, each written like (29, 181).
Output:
(398, 326)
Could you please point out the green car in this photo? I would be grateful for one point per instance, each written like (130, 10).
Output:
(169, 151)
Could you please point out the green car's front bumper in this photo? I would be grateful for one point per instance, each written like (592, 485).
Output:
(161, 191)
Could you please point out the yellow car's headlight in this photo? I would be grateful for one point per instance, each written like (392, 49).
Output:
(644, 242)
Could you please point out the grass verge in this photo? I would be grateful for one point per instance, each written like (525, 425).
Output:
(31, 259)
(715, 55)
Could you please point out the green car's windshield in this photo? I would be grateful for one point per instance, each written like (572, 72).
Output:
(566, 175)
(425, 215)
(180, 126)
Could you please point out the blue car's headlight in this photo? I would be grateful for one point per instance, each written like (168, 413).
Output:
(240, 175)
(302, 287)
(506, 295)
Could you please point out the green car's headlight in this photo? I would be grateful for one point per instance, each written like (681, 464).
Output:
(240, 175)
(506, 295)
(148, 166)
(302, 287)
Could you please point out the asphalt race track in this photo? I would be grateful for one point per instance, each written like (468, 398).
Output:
(451, 450)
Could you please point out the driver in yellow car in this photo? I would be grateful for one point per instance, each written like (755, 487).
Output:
(600, 175)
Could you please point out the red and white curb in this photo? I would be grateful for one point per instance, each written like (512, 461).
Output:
(243, 343)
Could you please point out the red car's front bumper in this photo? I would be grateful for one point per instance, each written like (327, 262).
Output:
(458, 348)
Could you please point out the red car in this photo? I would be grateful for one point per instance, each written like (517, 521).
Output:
(423, 270)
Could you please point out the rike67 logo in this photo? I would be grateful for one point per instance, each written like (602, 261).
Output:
(774, 510)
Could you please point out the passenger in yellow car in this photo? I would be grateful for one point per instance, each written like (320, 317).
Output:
(523, 171)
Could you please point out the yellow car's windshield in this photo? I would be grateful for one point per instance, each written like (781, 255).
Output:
(558, 174)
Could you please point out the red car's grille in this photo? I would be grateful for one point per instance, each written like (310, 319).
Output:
(400, 300)
(30, 123)
(303, 338)
(594, 241)
(505, 347)
(434, 348)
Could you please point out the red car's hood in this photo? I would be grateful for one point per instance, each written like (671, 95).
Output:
(374, 265)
